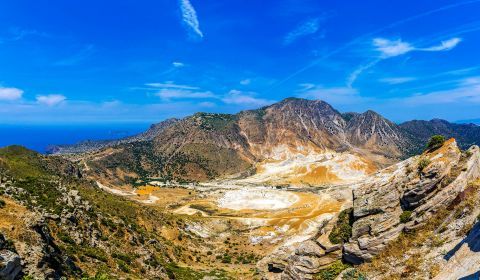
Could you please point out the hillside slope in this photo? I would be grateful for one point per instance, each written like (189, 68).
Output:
(55, 224)
(294, 136)
(465, 134)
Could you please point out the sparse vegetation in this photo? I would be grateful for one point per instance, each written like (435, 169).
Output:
(405, 217)
(332, 271)
(423, 163)
(353, 274)
(435, 142)
(342, 230)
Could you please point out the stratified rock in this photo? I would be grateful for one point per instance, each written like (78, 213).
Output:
(423, 190)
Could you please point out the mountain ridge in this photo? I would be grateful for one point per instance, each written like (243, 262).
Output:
(207, 146)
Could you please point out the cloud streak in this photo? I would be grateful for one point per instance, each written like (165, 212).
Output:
(373, 33)
(190, 20)
(75, 59)
(307, 27)
(387, 48)
(238, 97)
(397, 80)
(10, 94)
(50, 99)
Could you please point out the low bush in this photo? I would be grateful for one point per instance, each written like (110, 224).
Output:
(342, 230)
(422, 164)
(96, 253)
(353, 274)
(332, 271)
(405, 217)
(2, 203)
(435, 142)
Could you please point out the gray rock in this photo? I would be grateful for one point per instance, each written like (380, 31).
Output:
(10, 266)
(381, 199)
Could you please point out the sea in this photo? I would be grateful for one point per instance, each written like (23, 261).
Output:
(38, 136)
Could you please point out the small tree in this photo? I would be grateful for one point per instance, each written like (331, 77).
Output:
(435, 142)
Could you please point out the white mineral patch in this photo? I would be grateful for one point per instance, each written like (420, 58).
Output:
(287, 164)
(257, 199)
(310, 230)
(198, 229)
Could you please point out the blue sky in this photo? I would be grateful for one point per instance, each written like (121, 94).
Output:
(143, 61)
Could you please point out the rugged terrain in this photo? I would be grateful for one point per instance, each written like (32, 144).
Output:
(295, 190)
(417, 219)
(309, 140)
(54, 223)
(295, 141)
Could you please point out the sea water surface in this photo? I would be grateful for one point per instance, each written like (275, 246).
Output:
(38, 136)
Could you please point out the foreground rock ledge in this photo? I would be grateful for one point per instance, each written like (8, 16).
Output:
(406, 186)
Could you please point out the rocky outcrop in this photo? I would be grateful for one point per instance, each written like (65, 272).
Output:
(10, 266)
(415, 189)
(303, 260)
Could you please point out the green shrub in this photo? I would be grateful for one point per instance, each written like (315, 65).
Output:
(2, 203)
(95, 253)
(353, 274)
(422, 164)
(342, 230)
(98, 276)
(226, 258)
(435, 142)
(123, 266)
(405, 217)
(332, 271)
(65, 238)
(124, 257)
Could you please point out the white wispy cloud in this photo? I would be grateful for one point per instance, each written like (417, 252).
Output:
(169, 90)
(359, 39)
(177, 64)
(397, 80)
(305, 28)
(335, 95)
(245, 82)
(238, 97)
(190, 20)
(50, 99)
(443, 46)
(167, 94)
(391, 48)
(170, 85)
(10, 94)
(78, 57)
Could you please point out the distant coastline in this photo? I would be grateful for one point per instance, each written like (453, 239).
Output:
(38, 136)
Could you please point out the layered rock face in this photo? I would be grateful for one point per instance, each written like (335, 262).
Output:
(421, 185)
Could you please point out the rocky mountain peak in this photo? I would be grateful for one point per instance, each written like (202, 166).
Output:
(372, 130)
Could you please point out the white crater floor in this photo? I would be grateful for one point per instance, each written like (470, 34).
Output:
(257, 199)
